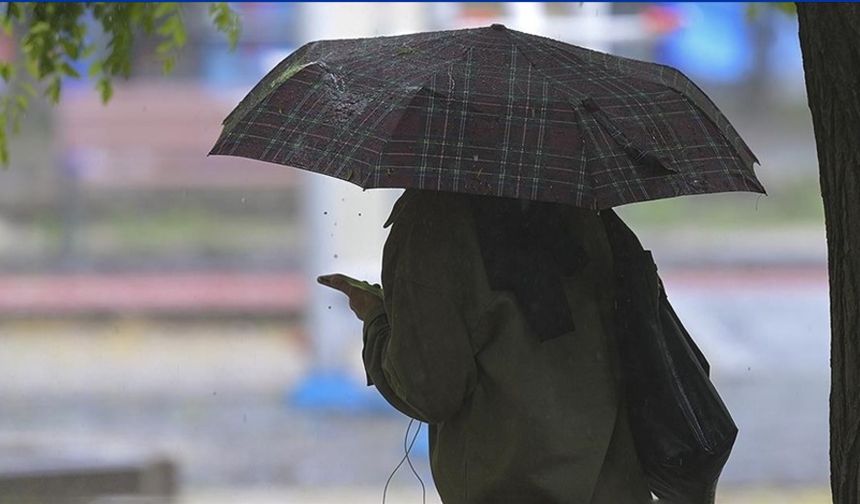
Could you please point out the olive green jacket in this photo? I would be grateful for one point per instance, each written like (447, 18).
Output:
(511, 419)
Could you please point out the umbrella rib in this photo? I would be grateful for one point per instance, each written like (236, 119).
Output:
(409, 81)
(689, 91)
(512, 35)
(525, 55)
(452, 36)
(424, 85)
(311, 50)
(559, 85)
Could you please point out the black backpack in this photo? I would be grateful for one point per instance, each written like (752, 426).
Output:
(682, 430)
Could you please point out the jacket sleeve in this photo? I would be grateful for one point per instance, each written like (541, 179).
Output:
(417, 350)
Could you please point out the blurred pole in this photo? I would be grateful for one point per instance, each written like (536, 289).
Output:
(71, 166)
(598, 21)
(529, 17)
(758, 93)
(441, 15)
(344, 229)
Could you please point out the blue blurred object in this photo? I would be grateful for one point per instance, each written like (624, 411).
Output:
(422, 443)
(338, 392)
(713, 44)
(784, 58)
(241, 68)
(269, 33)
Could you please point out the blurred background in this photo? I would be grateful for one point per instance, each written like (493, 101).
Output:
(162, 337)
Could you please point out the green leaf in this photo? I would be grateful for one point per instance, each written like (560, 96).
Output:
(39, 27)
(72, 49)
(4, 149)
(12, 10)
(786, 7)
(174, 29)
(68, 70)
(88, 51)
(7, 25)
(180, 36)
(54, 44)
(164, 48)
(168, 65)
(105, 89)
(96, 68)
(163, 9)
(6, 70)
(753, 10)
(226, 21)
(53, 90)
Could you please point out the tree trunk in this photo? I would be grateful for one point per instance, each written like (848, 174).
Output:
(830, 41)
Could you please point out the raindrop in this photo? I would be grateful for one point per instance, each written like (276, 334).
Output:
(475, 157)
(325, 213)
(335, 256)
(359, 214)
(243, 200)
(329, 307)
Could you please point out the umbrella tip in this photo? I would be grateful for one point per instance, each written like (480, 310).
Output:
(498, 26)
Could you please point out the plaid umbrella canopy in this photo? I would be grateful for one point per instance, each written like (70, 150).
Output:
(490, 111)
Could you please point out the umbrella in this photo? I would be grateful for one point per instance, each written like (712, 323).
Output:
(490, 111)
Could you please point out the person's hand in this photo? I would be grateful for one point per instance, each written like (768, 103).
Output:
(361, 302)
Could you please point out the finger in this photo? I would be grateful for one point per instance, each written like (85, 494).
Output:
(330, 279)
(335, 281)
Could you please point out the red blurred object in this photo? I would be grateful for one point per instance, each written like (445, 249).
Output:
(660, 19)
(479, 15)
(165, 293)
(7, 48)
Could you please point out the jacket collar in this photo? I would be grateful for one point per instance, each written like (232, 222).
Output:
(397, 209)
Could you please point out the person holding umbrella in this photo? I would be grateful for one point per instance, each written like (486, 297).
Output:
(498, 321)
(495, 331)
